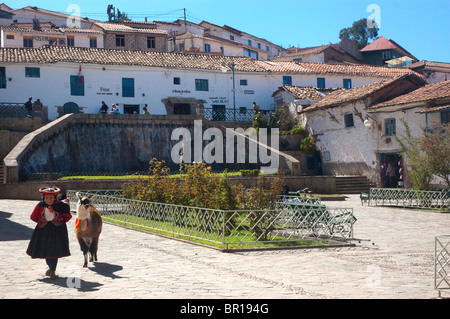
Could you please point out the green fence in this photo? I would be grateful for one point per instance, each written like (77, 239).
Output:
(403, 197)
(290, 221)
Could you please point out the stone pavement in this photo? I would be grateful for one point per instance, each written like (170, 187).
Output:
(393, 259)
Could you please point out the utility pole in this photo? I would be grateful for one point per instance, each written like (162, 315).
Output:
(185, 21)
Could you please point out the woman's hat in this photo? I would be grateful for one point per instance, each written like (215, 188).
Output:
(50, 190)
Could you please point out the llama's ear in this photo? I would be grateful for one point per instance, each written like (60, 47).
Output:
(78, 196)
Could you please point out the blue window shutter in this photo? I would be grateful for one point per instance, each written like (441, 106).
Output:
(347, 83)
(321, 83)
(287, 80)
(127, 87)
(76, 87)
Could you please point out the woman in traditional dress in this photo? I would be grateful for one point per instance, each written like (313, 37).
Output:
(50, 239)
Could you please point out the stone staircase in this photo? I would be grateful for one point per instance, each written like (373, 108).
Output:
(352, 184)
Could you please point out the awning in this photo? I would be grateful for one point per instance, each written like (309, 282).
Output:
(404, 60)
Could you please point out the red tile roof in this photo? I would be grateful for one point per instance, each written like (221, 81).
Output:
(384, 44)
(54, 54)
(430, 93)
(361, 92)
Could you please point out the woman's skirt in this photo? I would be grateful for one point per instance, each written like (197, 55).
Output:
(49, 241)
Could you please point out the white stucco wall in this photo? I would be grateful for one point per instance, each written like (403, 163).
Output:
(151, 86)
(357, 150)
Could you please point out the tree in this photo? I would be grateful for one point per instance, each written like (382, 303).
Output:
(416, 159)
(360, 33)
(436, 144)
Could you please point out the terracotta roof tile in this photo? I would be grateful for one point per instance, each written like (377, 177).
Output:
(305, 93)
(361, 92)
(53, 54)
(428, 93)
(434, 109)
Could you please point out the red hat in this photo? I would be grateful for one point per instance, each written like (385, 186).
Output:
(50, 190)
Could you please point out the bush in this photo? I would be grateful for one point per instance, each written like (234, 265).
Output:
(200, 188)
(308, 145)
(250, 172)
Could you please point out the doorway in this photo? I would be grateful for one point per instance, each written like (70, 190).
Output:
(392, 170)
(218, 113)
(181, 109)
(131, 109)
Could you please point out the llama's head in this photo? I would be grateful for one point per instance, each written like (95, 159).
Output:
(83, 207)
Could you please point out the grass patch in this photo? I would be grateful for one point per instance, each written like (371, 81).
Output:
(237, 239)
(93, 177)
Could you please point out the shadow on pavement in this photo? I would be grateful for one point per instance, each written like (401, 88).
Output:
(11, 231)
(106, 270)
(73, 283)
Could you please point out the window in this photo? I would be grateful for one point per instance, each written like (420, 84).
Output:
(348, 120)
(93, 42)
(389, 127)
(120, 40)
(298, 60)
(387, 55)
(2, 78)
(445, 117)
(347, 83)
(127, 87)
(267, 48)
(259, 46)
(177, 81)
(231, 38)
(201, 85)
(32, 72)
(76, 85)
(250, 53)
(151, 44)
(287, 80)
(243, 82)
(207, 47)
(27, 42)
(10, 37)
(250, 42)
(320, 83)
(70, 41)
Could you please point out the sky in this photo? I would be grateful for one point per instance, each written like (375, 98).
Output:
(422, 27)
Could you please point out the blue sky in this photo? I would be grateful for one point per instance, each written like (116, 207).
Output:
(420, 26)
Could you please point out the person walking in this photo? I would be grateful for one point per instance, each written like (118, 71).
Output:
(50, 239)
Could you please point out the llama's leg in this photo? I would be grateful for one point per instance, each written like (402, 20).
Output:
(85, 249)
(93, 250)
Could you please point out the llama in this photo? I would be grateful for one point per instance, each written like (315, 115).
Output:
(88, 227)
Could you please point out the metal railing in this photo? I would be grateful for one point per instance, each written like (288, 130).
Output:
(288, 221)
(442, 263)
(230, 115)
(439, 199)
(13, 110)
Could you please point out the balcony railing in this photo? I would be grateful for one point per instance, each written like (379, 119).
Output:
(13, 110)
(231, 115)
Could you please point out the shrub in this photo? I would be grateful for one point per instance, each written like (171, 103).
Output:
(308, 145)
(250, 172)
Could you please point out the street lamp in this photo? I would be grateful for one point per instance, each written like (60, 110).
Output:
(225, 70)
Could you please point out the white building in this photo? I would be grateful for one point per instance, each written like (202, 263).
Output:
(210, 38)
(134, 79)
(355, 127)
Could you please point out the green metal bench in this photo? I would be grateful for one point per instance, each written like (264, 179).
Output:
(365, 198)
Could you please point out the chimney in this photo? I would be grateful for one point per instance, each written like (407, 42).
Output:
(145, 19)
